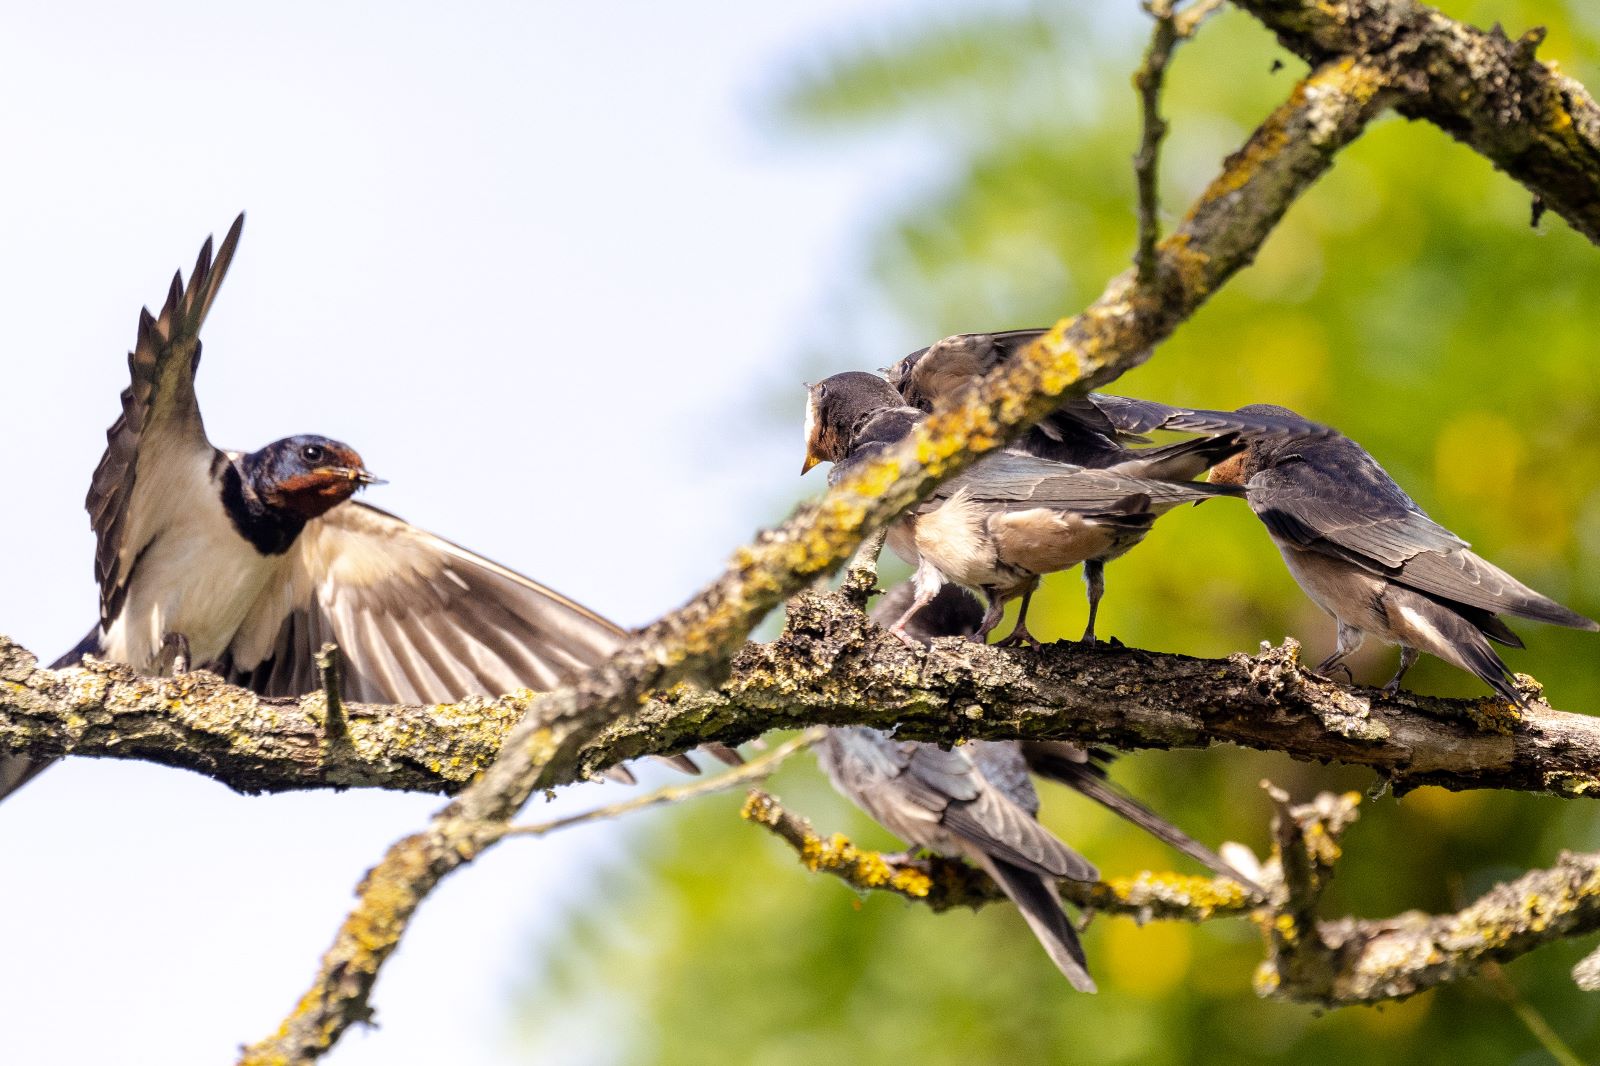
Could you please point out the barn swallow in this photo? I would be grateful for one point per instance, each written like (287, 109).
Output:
(1370, 557)
(974, 802)
(1000, 525)
(1096, 430)
(246, 563)
(955, 613)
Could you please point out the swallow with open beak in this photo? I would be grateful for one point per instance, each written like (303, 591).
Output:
(998, 527)
(1098, 430)
(1370, 557)
(246, 563)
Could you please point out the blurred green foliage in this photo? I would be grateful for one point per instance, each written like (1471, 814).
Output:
(1406, 300)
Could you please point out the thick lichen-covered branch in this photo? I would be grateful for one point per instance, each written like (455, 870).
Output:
(1481, 87)
(831, 665)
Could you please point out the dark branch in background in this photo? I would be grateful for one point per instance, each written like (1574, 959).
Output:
(1171, 27)
(831, 665)
(1484, 89)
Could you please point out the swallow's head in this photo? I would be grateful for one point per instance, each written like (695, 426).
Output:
(835, 407)
(1260, 451)
(307, 475)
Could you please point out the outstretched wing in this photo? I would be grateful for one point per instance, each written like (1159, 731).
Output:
(156, 451)
(417, 619)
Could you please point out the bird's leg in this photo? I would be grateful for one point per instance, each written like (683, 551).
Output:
(174, 657)
(1019, 635)
(927, 581)
(1408, 659)
(1094, 579)
(1350, 639)
(991, 617)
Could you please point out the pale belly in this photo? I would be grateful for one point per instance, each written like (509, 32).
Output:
(198, 579)
(1345, 591)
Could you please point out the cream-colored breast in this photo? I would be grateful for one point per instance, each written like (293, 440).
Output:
(952, 537)
(198, 577)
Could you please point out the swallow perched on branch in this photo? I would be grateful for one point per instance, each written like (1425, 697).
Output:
(1001, 525)
(977, 802)
(1370, 557)
(1097, 430)
(246, 563)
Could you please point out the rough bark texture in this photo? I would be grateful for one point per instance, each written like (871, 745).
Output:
(1483, 88)
(832, 665)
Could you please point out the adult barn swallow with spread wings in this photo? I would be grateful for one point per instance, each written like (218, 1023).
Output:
(1370, 557)
(246, 563)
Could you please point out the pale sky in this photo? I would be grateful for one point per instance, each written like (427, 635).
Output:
(543, 266)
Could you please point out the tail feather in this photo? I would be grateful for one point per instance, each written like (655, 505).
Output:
(1453, 637)
(1087, 780)
(1036, 898)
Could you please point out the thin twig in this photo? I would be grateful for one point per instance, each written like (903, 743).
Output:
(330, 667)
(1171, 27)
(755, 770)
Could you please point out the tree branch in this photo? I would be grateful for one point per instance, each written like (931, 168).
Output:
(1331, 963)
(831, 665)
(1484, 89)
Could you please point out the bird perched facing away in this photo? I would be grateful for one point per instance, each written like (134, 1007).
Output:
(955, 613)
(1094, 430)
(999, 526)
(247, 563)
(973, 802)
(1371, 558)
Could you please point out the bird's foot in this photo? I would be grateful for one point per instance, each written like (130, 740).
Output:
(899, 633)
(1019, 638)
(174, 657)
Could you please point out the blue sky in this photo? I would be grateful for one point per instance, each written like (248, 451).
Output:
(543, 266)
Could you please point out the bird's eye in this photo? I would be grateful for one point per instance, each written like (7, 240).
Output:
(822, 391)
(313, 453)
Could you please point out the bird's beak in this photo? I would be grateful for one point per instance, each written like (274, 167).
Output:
(812, 458)
(358, 474)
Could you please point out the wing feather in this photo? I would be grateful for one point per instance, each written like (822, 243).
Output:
(417, 618)
(157, 449)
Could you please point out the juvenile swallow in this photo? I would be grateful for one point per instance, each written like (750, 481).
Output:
(955, 613)
(246, 563)
(974, 802)
(1096, 430)
(1370, 557)
(1002, 524)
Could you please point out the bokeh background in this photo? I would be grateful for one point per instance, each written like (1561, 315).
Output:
(558, 273)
